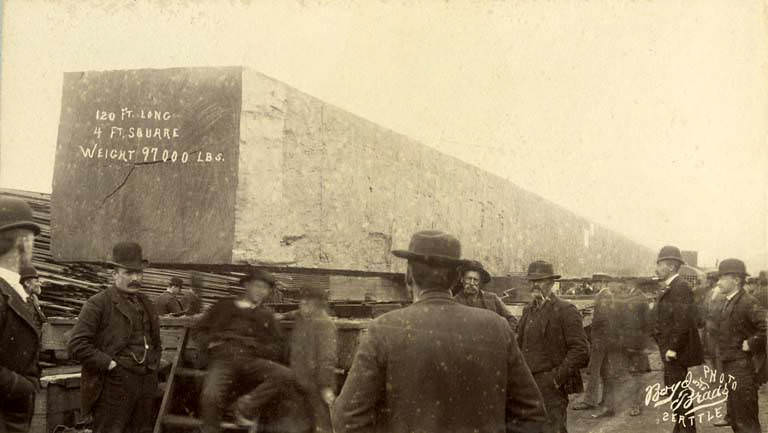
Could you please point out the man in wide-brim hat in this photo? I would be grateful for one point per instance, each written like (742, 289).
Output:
(554, 344)
(741, 344)
(437, 365)
(472, 278)
(674, 320)
(117, 341)
(19, 332)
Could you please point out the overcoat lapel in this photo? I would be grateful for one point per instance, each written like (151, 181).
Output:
(732, 304)
(121, 304)
(17, 305)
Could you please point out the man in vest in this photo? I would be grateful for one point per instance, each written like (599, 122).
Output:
(117, 341)
(19, 332)
(473, 278)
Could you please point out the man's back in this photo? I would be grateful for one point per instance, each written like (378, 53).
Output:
(438, 366)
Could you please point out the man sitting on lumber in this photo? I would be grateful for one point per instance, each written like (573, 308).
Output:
(247, 352)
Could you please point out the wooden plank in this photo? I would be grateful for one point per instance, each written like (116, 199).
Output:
(168, 397)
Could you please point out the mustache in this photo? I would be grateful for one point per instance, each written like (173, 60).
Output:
(134, 284)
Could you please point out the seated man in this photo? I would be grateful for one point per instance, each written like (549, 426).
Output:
(246, 354)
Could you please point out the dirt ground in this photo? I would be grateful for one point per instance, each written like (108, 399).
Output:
(651, 419)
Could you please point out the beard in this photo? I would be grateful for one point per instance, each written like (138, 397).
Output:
(471, 289)
(25, 255)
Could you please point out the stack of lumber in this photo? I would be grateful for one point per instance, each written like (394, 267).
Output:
(66, 286)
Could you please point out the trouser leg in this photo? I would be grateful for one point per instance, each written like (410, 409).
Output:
(215, 397)
(16, 415)
(674, 374)
(143, 415)
(592, 394)
(555, 401)
(114, 408)
(742, 397)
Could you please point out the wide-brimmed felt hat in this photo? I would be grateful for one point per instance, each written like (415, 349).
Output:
(433, 247)
(128, 255)
(16, 214)
(670, 252)
(27, 272)
(474, 265)
(258, 275)
(541, 270)
(176, 281)
(732, 266)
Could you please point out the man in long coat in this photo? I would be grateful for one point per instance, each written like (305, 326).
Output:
(741, 342)
(117, 341)
(674, 327)
(19, 332)
(436, 365)
(555, 347)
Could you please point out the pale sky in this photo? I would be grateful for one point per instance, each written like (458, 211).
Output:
(648, 117)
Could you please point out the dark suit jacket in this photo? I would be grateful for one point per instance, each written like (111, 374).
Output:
(314, 350)
(489, 301)
(566, 342)
(675, 324)
(19, 348)
(103, 330)
(631, 321)
(439, 366)
(167, 303)
(743, 319)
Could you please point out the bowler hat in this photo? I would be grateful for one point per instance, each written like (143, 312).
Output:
(732, 266)
(670, 252)
(541, 270)
(27, 272)
(128, 255)
(433, 247)
(258, 275)
(176, 281)
(16, 214)
(474, 265)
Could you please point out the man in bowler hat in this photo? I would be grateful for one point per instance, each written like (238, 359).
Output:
(741, 342)
(19, 332)
(31, 282)
(674, 320)
(473, 278)
(554, 344)
(117, 341)
(437, 365)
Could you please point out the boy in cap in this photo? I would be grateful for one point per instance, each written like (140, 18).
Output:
(314, 355)
(246, 352)
(19, 333)
(742, 346)
(117, 341)
(171, 302)
(436, 365)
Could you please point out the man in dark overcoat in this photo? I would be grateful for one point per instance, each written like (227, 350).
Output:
(554, 344)
(19, 332)
(741, 342)
(470, 292)
(674, 320)
(117, 341)
(436, 365)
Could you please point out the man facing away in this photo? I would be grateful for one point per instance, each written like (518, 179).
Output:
(246, 352)
(437, 365)
(117, 341)
(674, 328)
(19, 333)
(555, 347)
(172, 301)
(741, 343)
(473, 278)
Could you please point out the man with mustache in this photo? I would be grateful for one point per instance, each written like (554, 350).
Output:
(117, 341)
(19, 333)
(473, 278)
(554, 345)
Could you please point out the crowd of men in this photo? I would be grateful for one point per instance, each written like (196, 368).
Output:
(454, 360)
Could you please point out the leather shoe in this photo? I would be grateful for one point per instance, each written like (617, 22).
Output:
(582, 406)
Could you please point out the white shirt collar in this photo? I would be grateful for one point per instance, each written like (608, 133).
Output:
(670, 279)
(732, 294)
(13, 278)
